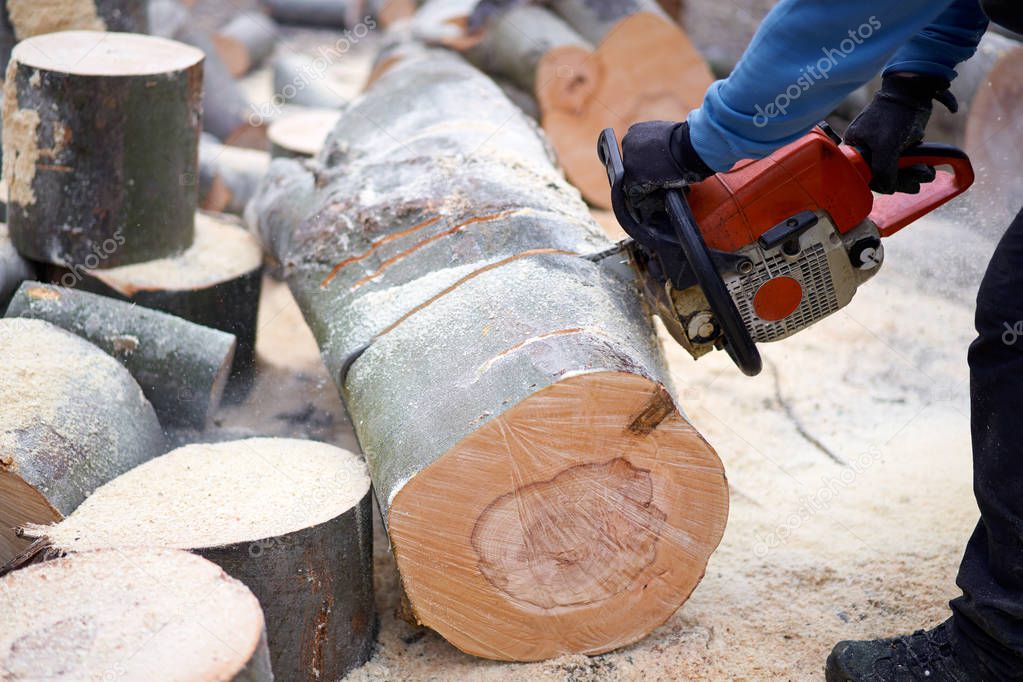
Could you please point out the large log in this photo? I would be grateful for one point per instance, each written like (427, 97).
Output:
(215, 283)
(71, 419)
(132, 614)
(542, 492)
(90, 180)
(181, 367)
(289, 518)
(34, 17)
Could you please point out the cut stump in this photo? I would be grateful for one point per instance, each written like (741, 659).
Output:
(89, 183)
(292, 520)
(130, 614)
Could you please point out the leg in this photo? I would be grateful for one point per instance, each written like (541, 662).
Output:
(984, 638)
(989, 615)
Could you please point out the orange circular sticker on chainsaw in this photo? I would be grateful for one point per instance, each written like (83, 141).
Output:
(777, 298)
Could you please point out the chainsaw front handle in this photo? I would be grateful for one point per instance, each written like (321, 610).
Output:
(892, 212)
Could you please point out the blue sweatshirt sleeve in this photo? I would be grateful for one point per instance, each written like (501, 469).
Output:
(808, 55)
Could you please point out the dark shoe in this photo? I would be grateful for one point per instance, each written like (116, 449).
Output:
(925, 655)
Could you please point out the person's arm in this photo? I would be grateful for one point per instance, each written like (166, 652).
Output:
(808, 55)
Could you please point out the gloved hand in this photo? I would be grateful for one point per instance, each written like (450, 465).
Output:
(893, 122)
(659, 155)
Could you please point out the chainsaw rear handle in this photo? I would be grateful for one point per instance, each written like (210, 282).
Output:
(611, 157)
(892, 212)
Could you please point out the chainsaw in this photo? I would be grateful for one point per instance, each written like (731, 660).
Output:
(770, 247)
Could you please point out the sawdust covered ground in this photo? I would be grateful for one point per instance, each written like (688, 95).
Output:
(848, 459)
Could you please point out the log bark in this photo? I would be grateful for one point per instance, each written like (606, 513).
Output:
(228, 175)
(292, 521)
(324, 13)
(301, 134)
(994, 138)
(181, 367)
(215, 283)
(34, 17)
(13, 269)
(71, 419)
(89, 183)
(126, 613)
(245, 41)
(542, 492)
(300, 81)
(595, 19)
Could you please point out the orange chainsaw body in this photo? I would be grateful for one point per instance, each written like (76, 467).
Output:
(734, 209)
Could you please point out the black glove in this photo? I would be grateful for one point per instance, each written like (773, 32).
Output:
(658, 155)
(893, 122)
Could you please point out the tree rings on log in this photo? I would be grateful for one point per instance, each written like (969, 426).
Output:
(619, 85)
(302, 133)
(34, 17)
(132, 614)
(289, 518)
(71, 419)
(215, 283)
(100, 132)
(181, 366)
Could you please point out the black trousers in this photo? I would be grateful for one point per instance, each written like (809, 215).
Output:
(989, 615)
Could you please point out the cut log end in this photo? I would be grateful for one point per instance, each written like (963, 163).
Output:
(302, 133)
(562, 517)
(67, 618)
(616, 87)
(20, 503)
(88, 53)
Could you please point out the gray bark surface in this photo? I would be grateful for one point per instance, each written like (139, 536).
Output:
(316, 589)
(182, 367)
(325, 13)
(366, 190)
(515, 41)
(71, 421)
(594, 19)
